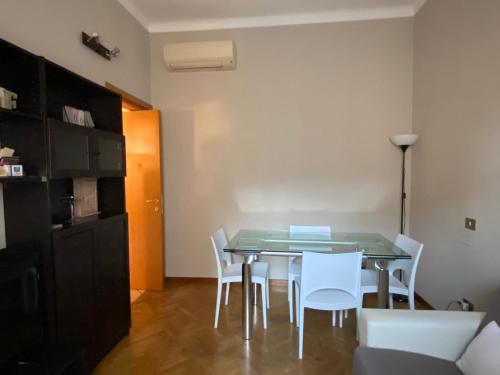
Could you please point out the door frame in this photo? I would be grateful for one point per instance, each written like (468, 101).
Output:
(129, 101)
(133, 103)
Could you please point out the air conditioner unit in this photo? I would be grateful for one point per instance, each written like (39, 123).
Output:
(213, 55)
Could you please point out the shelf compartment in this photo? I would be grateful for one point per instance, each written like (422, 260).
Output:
(10, 115)
(67, 88)
(20, 72)
(22, 179)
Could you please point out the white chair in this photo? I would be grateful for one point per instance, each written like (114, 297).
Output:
(228, 272)
(297, 232)
(329, 282)
(369, 278)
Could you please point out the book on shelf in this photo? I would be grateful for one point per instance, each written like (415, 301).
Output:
(77, 116)
(10, 160)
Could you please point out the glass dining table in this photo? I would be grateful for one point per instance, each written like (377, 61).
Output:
(252, 243)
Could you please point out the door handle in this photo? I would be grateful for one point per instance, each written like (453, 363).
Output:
(152, 200)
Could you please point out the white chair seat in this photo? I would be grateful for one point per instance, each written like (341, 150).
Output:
(322, 299)
(232, 273)
(369, 283)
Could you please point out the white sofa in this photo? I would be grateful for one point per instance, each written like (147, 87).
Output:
(441, 334)
(417, 342)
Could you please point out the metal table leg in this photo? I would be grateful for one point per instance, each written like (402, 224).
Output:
(247, 297)
(383, 284)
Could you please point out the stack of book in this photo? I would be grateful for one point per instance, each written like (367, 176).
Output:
(77, 116)
(10, 160)
(11, 166)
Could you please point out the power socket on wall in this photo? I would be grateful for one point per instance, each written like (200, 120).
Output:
(470, 223)
(467, 305)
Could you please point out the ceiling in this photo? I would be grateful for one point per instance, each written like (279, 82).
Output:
(184, 15)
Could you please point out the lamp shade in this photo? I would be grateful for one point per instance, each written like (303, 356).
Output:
(404, 139)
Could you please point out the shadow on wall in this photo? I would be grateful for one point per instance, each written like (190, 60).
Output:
(217, 174)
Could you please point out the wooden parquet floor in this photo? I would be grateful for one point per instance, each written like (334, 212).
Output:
(172, 333)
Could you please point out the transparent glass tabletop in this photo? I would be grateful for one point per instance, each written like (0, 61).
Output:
(280, 242)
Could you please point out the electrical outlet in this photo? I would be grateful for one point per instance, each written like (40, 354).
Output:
(470, 223)
(467, 305)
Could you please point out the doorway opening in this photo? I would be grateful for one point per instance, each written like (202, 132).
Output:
(143, 193)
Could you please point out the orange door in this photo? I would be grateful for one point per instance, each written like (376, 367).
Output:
(143, 190)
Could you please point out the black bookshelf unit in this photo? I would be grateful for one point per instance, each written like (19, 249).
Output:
(84, 270)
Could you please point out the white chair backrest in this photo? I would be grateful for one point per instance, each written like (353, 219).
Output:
(223, 259)
(408, 266)
(331, 271)
(298, 232)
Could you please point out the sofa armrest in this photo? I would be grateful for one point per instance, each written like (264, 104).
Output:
(442, 334)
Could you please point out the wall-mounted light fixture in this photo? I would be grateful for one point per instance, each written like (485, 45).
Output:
(92, 42)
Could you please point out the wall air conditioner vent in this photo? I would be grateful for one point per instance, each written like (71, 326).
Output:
(199, 56)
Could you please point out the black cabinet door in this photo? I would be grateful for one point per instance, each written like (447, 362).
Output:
(72, 152)
(75, 289)
(110, 153)
(112, 282)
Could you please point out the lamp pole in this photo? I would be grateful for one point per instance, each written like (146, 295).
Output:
(403, 141)
(403, 192)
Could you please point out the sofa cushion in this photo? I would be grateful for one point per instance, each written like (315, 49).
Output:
(482, 356)
(374, 361)
(493, 313)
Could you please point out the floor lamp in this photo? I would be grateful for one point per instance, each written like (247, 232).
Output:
(403, 141)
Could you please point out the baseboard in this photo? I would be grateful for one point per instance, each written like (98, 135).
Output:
(191, 280)
(213, 280)
(423, 302)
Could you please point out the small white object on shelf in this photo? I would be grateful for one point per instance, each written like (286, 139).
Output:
(8, 99)
(6, 152)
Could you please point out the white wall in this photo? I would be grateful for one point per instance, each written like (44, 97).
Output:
(456, 162)
(52, 28)
(297, 134)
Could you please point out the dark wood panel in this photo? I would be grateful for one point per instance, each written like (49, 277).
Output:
(83, 268)
(110, 154)
(71, 150)
(112, 281)
(75, 297)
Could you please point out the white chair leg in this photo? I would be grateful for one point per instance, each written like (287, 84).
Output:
(301, 332)
(267, 292)
(391, 301)
(290, 286)
(228, 285)
(217, 306)
(341, 319)
(290, 298)
(411, 300)
(264, 304)
(297, 304)
(334, 318)
(255, 293)
(358, 314)
(346, 313)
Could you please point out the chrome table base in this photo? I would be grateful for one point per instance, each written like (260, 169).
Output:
(383, 284)
(246, 317)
